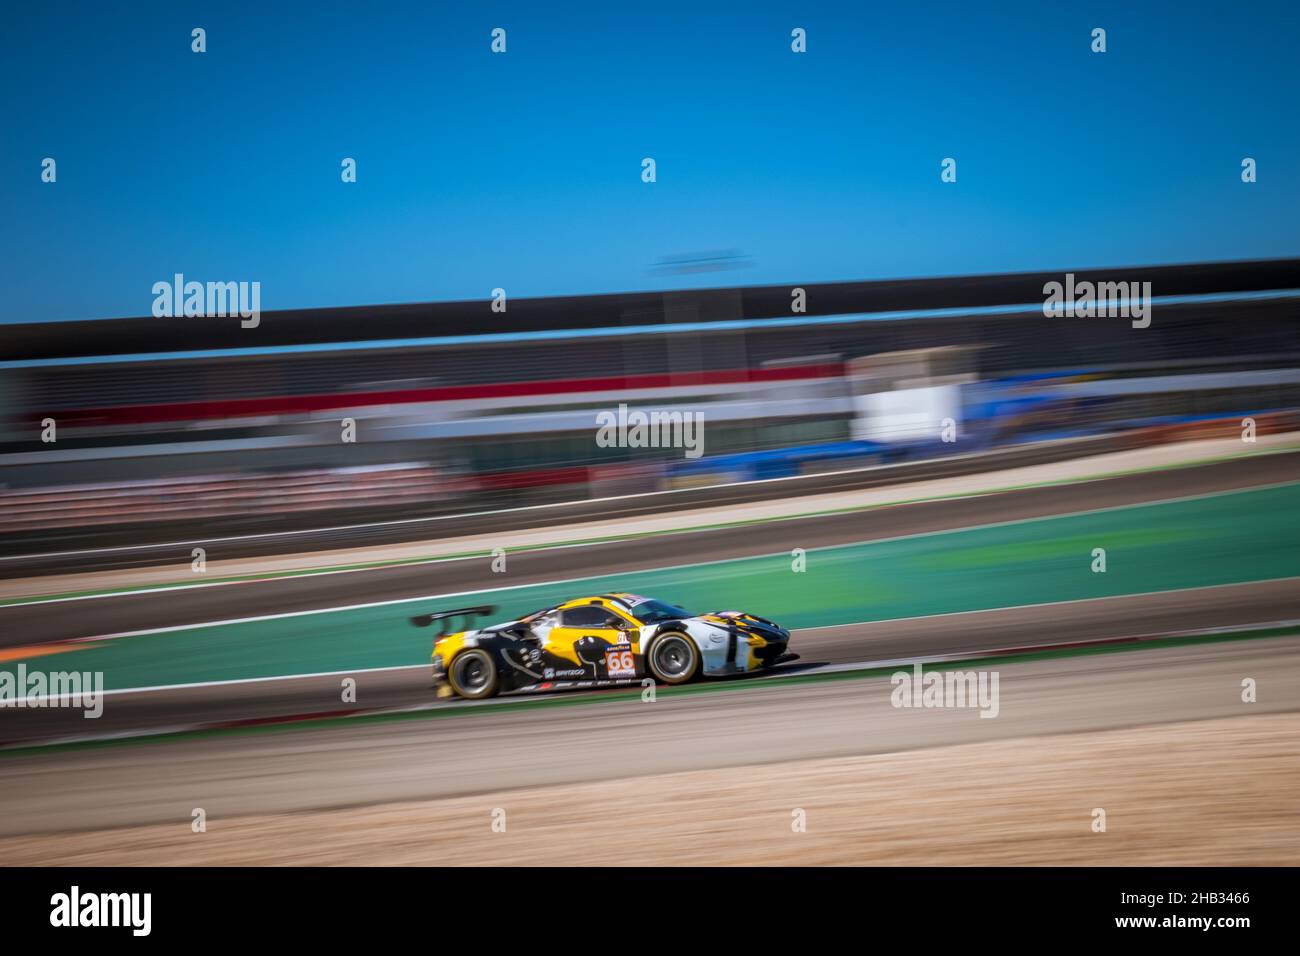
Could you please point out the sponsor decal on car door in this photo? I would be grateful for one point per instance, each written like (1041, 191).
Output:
(588, 639)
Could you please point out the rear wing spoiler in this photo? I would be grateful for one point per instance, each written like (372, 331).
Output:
(469, 613)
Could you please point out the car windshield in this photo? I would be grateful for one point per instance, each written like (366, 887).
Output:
(652, 612)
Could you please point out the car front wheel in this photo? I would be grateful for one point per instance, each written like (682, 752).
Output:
(673, 658)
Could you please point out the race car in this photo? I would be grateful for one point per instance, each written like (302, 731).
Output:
(599, 641)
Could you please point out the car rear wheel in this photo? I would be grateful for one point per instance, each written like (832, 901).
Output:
(673, 658)
(473, 674)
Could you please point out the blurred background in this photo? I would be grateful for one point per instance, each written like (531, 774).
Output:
(190, 430)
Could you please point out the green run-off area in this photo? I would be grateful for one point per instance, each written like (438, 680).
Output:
(1229, 538)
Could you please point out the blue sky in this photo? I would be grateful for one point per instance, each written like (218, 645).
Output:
(522, 170)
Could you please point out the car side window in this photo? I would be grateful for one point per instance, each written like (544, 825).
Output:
(589, 616)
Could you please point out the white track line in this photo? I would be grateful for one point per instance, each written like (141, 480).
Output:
(435, 518)
(538, 697)
(695, 564)
(823, 627)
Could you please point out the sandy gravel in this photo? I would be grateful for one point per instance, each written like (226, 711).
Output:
(1218, 792)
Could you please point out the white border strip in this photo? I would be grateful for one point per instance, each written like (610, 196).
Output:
(429, 519)
(514, 587)
(821, 627)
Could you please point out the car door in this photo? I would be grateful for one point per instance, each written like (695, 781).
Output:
(590, 637)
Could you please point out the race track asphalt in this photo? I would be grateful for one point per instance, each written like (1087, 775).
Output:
(398, 745)
(494, 749)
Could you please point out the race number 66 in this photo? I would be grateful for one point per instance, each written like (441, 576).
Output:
(620, 663)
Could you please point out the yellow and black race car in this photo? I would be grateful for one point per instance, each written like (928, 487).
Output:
(600, 641)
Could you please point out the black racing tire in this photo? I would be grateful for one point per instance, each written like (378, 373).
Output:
(673, 658)
(473, 674)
